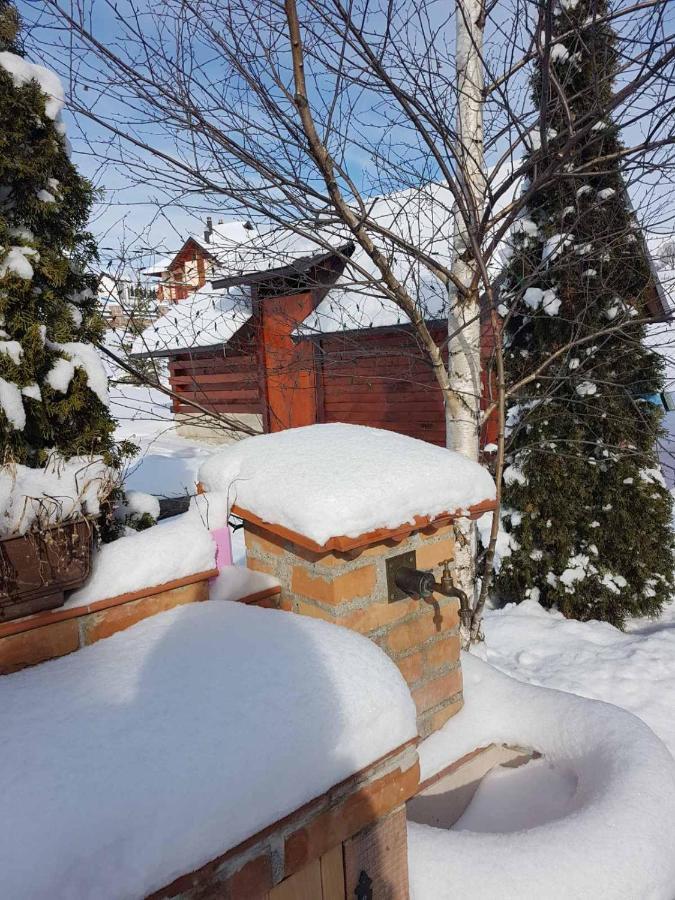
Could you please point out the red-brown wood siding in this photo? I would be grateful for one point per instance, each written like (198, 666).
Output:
(376, 378)
(221, 384)
(383, 380)
(288, 364)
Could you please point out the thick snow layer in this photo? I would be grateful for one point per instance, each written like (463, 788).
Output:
(510, 799)
(23, 71)
(11, 404)
(17, 262)
(173, 548)
(324, 481)
(235, 582)
(146, 755)
(610, 825)
(61, 490)
(206, 317)
(83, 356)
(13, 349)
(138, 503)
(634, 670)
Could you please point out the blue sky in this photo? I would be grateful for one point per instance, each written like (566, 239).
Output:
(129, 208)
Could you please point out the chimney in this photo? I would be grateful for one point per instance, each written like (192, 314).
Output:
(208, 231)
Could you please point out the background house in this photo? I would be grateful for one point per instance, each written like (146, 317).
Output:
(294, 329)
(182, 273)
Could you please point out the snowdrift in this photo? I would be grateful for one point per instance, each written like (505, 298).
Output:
(615, 835)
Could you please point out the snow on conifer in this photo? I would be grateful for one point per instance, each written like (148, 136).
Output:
(586, 532)
(53, 388)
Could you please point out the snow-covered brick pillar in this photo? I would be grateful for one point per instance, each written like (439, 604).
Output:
(326, 508)
(349, 588)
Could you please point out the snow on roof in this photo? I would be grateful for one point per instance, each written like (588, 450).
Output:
(423, 217)
(325, 481)
(206, 317)
(610, 772)
(159, 267)
(146, 755)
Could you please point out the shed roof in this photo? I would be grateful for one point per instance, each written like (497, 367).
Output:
(206, 318)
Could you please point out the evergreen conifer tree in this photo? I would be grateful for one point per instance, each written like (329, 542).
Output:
(587, 513)
(53, 388)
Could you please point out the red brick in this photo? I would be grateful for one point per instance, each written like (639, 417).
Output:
(427, 724)
(430, 556)
(412, 667)
(309, 608)
(103, 624)
(27, 648)
(412, 633)
(258, 565)
(437, 690)
(251, 882)
(345, 819)
(341, 589)
(442, 652)
(377, 615)
(263, 542)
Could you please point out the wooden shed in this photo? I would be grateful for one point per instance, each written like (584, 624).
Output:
(272, 375)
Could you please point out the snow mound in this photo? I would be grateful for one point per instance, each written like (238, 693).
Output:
(82, 356)
(11, 404)
(612, 827)
(633, 670)
(140, 503)
(171, 549)
(325, 481)
(146, 755)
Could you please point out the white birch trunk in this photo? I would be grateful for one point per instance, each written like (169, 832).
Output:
(464, 368)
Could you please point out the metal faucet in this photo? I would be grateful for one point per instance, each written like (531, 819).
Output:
(418, 583)
(446, 587)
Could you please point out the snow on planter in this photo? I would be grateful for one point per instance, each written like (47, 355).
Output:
(613, 832)
(148, 754)
(325, 481)
(172, 549)
(63, 489)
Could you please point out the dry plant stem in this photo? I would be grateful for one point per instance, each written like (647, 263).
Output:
(326, 166)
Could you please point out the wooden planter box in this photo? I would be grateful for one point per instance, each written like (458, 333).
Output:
(36, 568)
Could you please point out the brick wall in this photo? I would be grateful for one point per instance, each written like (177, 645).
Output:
(350, 589)
(319, 851)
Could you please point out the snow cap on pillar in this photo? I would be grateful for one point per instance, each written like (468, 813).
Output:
(331, 511)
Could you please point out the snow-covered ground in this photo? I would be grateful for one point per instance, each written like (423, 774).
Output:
(593, 817)
(634, 670)
(167, 463)
(528, 832)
